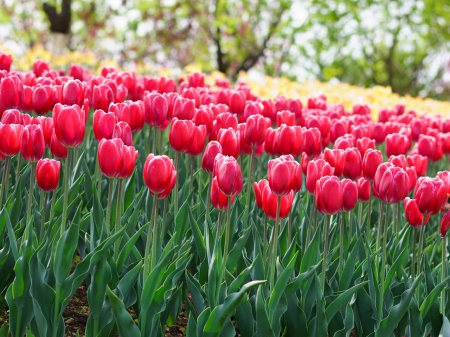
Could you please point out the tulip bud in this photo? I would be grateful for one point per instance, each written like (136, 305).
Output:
(69, 123)
(110, 157)
(10, 138)
(255, 130)
(11, 116)
(197, 142)
(271, 144)
(123, 131)
(397, 144)
(312, 142)
(427, 146)
(430, 195)
(76, 71)
(47, 174)
(316, 169)
(229, 175)
(412, 176)
(211, 151)
(47, 128)
(338, 129)
(223, 120)
(399, 161)
(344, 142)
(43, 99)
(183, 109)
(104, 124)
(391, 183)
(204, 117)
(218, 199)
(363, 144)
(372, 159)
(289, 140)
(285, 117)
(156, 109)
(129, 157)
(328, 195)
(353, 164)
(12, 92)
(270, 203)
(102, 96)
(229, 139)
(349, 195)
(258, 188)
(40, 68)
(336, 159)
(281, 176)
(73, 93)
(5, 61)
(363, 189)
(32, 144)
(412, 213)
(159, 175)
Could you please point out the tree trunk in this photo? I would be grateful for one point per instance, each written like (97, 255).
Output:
(59, 26)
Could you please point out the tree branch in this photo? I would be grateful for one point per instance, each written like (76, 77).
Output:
(59, 22)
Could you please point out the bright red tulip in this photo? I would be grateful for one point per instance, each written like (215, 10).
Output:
(258, 188)
(336, 159)
(290, 139)
(338, 129)
(73, 93)
(431, 195)
(445, 224)
(316, 169)
(328, 193)
(102, 96)
(223, 120)
(57, 149)
(412, 176)
(255, 130)
(43, 99)
(427, 146)
(197, 142)
(218, 199)
(123, 131)
(12, 91)
(270, 203)
(372, 159)
(103, 125)
(129, 157)
(353, 164)
(344, 142)
(363, 189)
(412, 213)
(391, 183)
(399, 161)
(69, 122)
(10, 138)
(363, 144)
(271, 144)
(209, 156)
(47, 128)
(5, 61)
(183, 108)
(229, 139)
(281, 175)
(361, 109)
(159, 175)
(349, 195)
(110, 157)
(40, 68)
(312, 145)
(285, 117)
(229, 175)
(205, 117)
(47, 174)
(76, 71)
(32, 144)
(156, 109)
(396, 144)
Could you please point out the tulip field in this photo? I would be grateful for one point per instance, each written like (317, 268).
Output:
(249, 216)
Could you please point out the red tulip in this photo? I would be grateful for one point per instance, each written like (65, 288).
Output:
(69, 122)
(40, 68)
(123, 131)
(412, 176)
(229, 175)
(344, 142)
(418, 127)
(255, 130)
(184, 134)
(304, 162)
(258, 188)
(223, 120)
(391, 183)
(11, 116)
(237, 102)
(110, 157)
(103, 124)
(73, 93)
(419, 162)
(353, 164)
(102, 96)
(197, 142)
(289, 140)
(32, 144)
(129, 157)
(285, 117)
(361, 109)
(43, 99)
(316, 169)
(338, 129)
(76, 71)
(363, 144)
(349, 195)
(229, 139)
(427, 146)
(159, 175)
(444, 139)
(336, 159)
(47, 128)
(47, 174)
(399, 161)
(156, 109)
(363, 189)
(271, 144)
(431, 195)
(270, 203)
(281, 175)
(12, 91)
(57, 149)
(204, 117)
(10, 138)
(328, 193)
(209, 156)
(183, 109)
(218, 199)
(412, 213)
(397, 144)
(312, 142)
(372, 159)
(445, 224)
(5, 61)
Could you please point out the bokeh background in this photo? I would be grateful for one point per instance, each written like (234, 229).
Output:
(401, 44)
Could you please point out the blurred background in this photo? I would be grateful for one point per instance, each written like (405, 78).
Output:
(402, 44)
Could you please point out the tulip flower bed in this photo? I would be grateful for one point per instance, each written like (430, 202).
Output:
(260, 216)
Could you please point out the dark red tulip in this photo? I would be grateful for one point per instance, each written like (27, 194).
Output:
(270, 203)
(290, 140)
(156, 109)
(431, 195)
(412, 213)
(349, 195)
(43, 99)
(104, 124)
(129, 157)
(328, 193)
(159, 175)
(32, 144)
(12, 92)
(197, 142)
(123, 131)
(336, 159)
(412, 176)
(10, 138)
(40, 68)
(11, 116)
(57, 149)
(363, 144)
(229, 175)
(399, 161)
(255, 130)
(353, 164)
(183, 109)
(271, 144)
(211, 151)
(218, 199)
(345, 142)
(110, 157)
(5, 61)
(285, 117)
(229, 139)
(102, 96)
(419, 162)
(338, 129)
(204, 116)
(397, 144)
(223, 120)
(47, 174)
(316, 169)
(258, 188)
(135, 119)
(418, 127)
(445, 224)
(73, 93)
(69, 122)
(47, 128)
(281, 175)
(312, 145)
(363, 189)
(391, 183)
(372, 159)
(427, 146)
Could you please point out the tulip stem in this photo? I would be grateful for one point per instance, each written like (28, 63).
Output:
(4, 186)
(148, 242)
(191, 169)
(52, 207)
(289, 224)
(413, 265)
(163, 228)
(360, 213)
(208, 202)
(44, 213)
(175, 196)
(108, 207)
(265, 239)
(350, 224)
(98, 175)
(56, 312)
(444, 272)
(341, 244)
(325, 251)
(383, 265)
(419, 255)
(369, 213)
(249, 186)
(117, 220)
(380, 227)
(311, 216)
(154, 139)
(155, 232)
(66, 191)
(223, 268)
(274, 239)
(30, 192)
(19, 161)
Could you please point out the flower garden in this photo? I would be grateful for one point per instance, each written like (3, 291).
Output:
(256, 210)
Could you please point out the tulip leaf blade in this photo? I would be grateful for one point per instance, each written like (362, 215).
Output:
(432, 296)
(125, 323)
(341, 300)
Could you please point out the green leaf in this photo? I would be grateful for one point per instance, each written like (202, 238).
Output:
(125, 323)
(349, 267)
(349, 323)
(245, 320)
(5, 221)
(198, 295)
(341, 300)
(445, 330)
(4, 330)
(388, 325)
(280, 285)
(312, 254)
(393, 270)
(432, 296)
(263, 326)
(319, 323)
(191, 329)
(295, 318)
(223, 312)
(236, 252)
(197, 235)
(125, 252)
